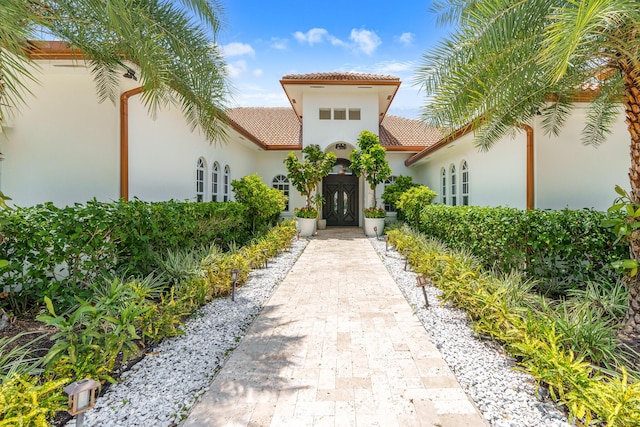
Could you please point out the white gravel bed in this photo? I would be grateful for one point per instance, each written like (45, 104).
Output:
(161, 388)
(505, 396)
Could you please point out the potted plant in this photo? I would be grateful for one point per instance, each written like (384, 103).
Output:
(305, 177)
(370, 162)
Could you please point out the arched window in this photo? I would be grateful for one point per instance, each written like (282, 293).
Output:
(215, 181)
(389, 207)
(465, 183)
(281, 182)
(454, 189)
(443, 175)
(201, 171)
(227, 181)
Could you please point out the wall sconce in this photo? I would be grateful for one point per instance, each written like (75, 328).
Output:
(130, 74)
(234, 279)
(82, 397)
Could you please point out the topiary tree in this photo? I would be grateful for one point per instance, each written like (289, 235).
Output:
(305, 176)
(392, 192)
(370, 161)
(264, 204)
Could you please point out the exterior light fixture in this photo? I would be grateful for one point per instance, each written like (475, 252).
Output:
(423, 282)
(406, 257)
(82, 397)
(375, 230)
(130, 74)
(234, 279)
(266, 257)
(386, 242)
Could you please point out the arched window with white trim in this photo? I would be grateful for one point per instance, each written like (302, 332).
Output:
(215, 181)
(281, 182)
(465, 183)
(226, 183)
(454, 188)
(443, 185)
(201, 173)
(389, 207)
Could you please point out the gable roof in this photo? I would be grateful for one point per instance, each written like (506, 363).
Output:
(341, 77)
(278, 128)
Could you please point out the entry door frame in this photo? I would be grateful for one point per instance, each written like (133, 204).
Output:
(334, 188)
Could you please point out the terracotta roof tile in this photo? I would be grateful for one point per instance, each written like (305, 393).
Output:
(279, 127)
(268, 126)
(340, 76)
(402, 132)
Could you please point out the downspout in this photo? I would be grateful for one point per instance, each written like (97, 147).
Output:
(530, 167)
(124, 141)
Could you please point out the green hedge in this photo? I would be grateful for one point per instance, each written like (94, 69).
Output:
(57, 251)
(560, 248)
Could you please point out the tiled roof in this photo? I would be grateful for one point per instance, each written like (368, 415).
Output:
(268, 127)
(340, 76)
(277, 128)
(401, 132)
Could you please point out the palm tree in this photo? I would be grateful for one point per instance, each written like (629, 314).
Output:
(509, 60)
(173, 47)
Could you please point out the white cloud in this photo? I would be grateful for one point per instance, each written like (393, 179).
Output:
(238, 49)
(393, 67)
(365, 40)
(406, 38)
(278, 43)
(257, 72)
(235, 69)
(314, 35)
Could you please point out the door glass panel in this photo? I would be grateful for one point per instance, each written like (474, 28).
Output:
(335, 202)
(345, 203)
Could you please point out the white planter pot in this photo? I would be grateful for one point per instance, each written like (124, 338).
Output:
(322, 224)
(306, 226)
(371, 225)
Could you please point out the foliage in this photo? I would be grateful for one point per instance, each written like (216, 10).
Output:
(560, 249)
(177, 56)
(305, 212)
(375, 213)
(413, 200)
(624, 223)
(306, 175)
(26, 402)
(58, 252)
(370, 161)
(263, 203)
(392, 192)
(18, 359)
(558, 349)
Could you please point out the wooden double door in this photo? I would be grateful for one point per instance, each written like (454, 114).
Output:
(341, 200)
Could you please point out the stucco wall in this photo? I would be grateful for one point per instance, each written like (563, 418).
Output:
(496, 177)
(572, 175)
(63, 145)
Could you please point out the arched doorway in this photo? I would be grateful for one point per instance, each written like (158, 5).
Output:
(340, 191)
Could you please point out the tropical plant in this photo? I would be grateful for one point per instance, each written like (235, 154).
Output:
(306, 175)
(412, 201)
(26, 402)
(393, 191)
(509, 61)
(19, 359)
(374, 213)
(178, 58)
(370, 161)
(264, 204)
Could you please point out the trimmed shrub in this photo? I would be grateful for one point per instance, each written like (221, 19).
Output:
(263, 203)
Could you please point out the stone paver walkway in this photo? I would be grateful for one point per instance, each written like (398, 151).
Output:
(336, 345)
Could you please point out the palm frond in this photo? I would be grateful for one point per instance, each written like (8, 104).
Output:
(603, 112)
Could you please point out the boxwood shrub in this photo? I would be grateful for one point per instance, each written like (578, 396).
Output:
(562, 249)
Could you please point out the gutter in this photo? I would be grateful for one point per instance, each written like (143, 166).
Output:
(124, 141)
(530, 167)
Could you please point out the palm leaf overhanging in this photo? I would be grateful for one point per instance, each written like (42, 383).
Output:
(174, 48)
(509, 60)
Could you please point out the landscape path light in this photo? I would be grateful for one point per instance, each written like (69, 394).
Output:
(406, 257)
(266, 257)
(234, 279)
(82, 397)
(386, 242)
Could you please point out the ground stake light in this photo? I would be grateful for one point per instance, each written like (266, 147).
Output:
(266, 257)
(406, 257)
(234, 279)
(386, 242)
(82, 397)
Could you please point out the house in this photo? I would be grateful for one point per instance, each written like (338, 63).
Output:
(67, 147)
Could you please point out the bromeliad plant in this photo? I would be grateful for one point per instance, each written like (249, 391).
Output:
(371, 163)
(306, 175)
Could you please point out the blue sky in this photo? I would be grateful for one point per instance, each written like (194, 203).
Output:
(264, 40)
